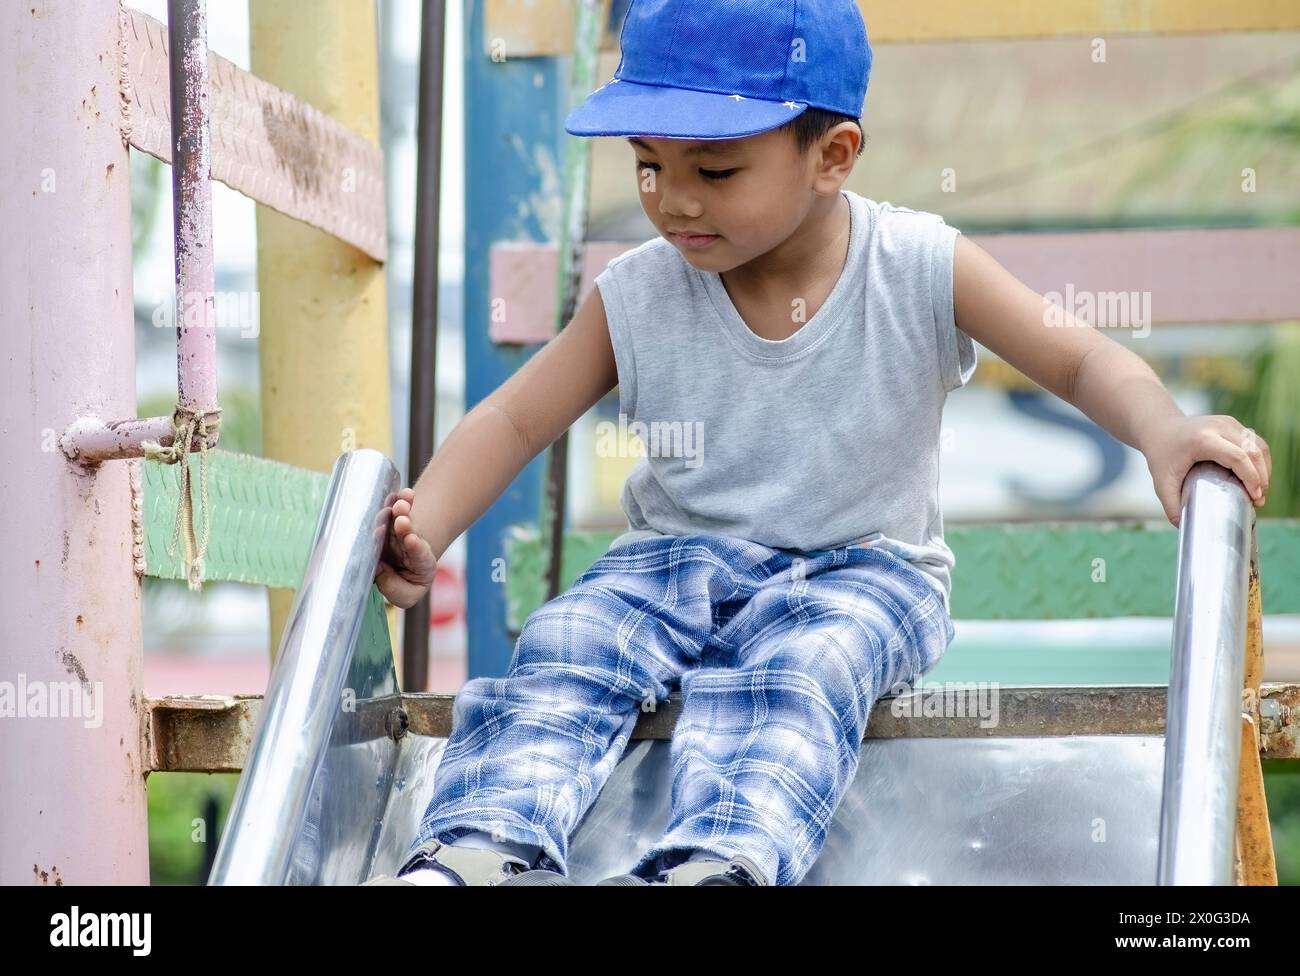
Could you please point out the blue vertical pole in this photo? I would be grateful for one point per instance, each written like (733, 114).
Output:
(514, 115)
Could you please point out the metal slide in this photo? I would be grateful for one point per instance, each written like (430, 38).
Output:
(336, 782)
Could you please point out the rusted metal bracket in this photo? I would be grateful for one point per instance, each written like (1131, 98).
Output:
(213, 733)
(1279, 722)
(199, 734)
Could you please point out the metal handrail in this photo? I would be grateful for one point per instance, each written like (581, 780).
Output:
(1198, 807)
(304, 697)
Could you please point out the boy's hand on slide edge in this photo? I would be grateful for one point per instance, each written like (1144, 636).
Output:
(406, 566)
(1183, 442)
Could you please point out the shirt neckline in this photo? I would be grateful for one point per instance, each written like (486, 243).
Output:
(822, 321)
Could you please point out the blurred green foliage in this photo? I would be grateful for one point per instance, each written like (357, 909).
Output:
(182, 841)
(1270, 405)
(1282, 785)
(147, 175)
(1255, 120)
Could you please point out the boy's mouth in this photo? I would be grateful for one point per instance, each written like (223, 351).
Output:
(693, 240)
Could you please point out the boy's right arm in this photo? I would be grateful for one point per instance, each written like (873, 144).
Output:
(492, 443)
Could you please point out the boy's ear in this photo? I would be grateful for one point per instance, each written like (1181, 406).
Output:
(839, 150)
(851, 133)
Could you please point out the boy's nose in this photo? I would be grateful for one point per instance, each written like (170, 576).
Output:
(677, 204)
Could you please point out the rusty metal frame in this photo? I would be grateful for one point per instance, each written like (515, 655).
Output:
(212, 733)
(1254, 863)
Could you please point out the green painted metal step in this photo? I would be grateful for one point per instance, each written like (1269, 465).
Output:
(1017, 571)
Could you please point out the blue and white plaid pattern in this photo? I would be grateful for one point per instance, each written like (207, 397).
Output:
(780, 657)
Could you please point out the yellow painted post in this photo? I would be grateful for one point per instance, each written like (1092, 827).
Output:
(324, 316)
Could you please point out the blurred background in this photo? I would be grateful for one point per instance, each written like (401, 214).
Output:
(1037, 135)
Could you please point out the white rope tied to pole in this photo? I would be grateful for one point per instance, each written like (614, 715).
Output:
(185, 424)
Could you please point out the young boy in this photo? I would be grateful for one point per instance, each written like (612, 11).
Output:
(790, 566)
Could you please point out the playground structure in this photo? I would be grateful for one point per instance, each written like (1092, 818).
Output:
(337, 760)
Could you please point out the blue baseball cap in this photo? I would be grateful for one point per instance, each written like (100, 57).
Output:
(722, 69)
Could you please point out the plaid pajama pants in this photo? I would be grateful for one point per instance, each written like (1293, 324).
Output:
(780, 656)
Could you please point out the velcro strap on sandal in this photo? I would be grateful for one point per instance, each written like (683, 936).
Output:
(692, 872)
(473, 865)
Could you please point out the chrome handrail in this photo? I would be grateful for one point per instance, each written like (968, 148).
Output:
(304, 696)
(1198, 807)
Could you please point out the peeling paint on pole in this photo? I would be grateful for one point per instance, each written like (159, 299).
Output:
(72, 798)
(196, 347)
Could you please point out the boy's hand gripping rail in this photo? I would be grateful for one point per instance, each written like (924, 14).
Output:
(304, 696)
(1198, 807)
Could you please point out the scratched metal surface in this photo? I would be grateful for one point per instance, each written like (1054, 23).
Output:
(1051, 810)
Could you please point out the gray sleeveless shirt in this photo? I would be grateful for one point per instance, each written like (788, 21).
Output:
(827, 438)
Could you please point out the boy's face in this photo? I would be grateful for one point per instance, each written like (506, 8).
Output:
(747, 194)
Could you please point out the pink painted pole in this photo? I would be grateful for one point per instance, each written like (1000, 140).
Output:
(72, 797)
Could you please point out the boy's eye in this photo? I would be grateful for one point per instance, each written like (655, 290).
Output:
(708, 174)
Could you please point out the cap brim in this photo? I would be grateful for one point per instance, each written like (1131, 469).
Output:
(628, 108)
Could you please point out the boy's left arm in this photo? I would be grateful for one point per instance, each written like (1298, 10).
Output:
(1101, 377)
